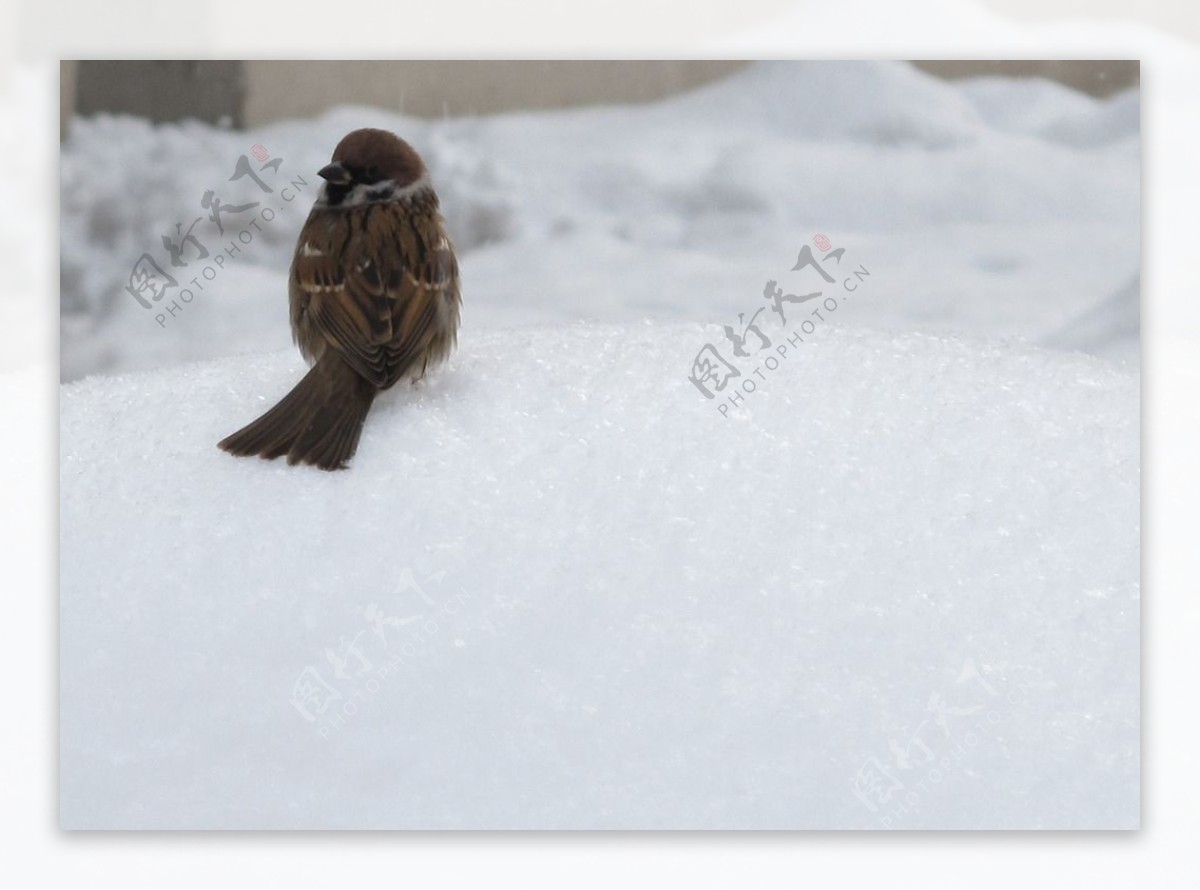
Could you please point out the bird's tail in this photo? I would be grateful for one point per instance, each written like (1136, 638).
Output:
(318, 422)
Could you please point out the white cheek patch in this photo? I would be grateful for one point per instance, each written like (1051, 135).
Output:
(309, 250)
(378, 193)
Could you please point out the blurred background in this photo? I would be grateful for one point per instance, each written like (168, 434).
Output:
(257, 92)
(990, 198)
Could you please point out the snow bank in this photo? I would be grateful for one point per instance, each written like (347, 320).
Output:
(896, 587)
(999, 208)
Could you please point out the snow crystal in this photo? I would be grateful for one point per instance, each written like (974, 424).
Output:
(897, 586)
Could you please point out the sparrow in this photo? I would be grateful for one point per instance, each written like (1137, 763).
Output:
(373, 295)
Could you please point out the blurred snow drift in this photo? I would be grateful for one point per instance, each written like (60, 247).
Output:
(997, 207)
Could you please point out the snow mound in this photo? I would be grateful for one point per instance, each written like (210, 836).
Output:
(896, 586)
(1051, 111)
(881, 103)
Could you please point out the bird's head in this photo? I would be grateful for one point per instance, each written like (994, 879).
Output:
(369, 166)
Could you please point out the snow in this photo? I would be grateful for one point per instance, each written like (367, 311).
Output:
(651, 615)
(904, 564)
(971, 193)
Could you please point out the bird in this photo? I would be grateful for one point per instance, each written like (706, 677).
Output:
(374, 298)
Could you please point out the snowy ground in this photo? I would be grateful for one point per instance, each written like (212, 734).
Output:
(650, 615)
(896, 585)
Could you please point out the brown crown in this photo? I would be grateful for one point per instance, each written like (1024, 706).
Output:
(386, 152)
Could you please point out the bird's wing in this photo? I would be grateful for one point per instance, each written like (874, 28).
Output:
(376, 297)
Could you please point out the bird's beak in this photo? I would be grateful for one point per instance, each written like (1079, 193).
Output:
(334, 173)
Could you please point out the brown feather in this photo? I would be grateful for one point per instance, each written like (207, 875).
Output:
(374, 299)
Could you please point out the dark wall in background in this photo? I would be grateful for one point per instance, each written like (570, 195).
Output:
(214, 92)
(256, 92)
(1099, 78)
